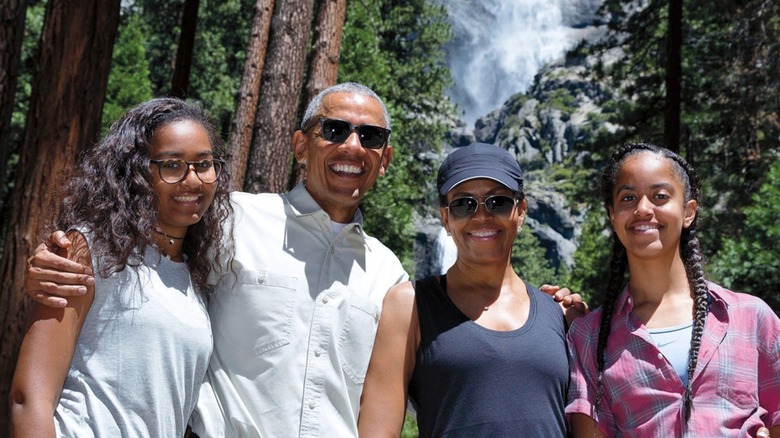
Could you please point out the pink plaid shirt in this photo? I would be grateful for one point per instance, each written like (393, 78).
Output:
(736, 385)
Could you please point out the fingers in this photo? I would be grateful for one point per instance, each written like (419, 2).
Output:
(555, 291)
(57, 282)
(60, 239)
(52, 294)
(763, 432)
(45, 262)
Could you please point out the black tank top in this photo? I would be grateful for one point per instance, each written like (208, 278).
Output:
(470, 381)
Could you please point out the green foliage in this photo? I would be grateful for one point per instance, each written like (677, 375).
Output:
(749, 262)
(219, 53)
(591, 260)
(410, 428)
(562, 100)
(128, 81)
(395, 48)
(529, 261)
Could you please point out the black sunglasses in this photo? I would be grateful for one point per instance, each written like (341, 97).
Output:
(497, 205)
(338, 131)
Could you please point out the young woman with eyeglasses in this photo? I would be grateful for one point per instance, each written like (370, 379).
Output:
(145, 210)
(669, 354)
(477, 351)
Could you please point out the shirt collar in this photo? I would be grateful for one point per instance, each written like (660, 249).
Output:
(718, 297)
(303, 204)
(624, 303)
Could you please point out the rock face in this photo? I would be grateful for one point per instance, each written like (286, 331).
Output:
(542, 127)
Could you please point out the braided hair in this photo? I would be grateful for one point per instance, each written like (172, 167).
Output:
(690, 253)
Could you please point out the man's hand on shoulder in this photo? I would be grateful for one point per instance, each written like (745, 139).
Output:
(51, 277)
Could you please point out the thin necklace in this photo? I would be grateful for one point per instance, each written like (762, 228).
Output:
(170, 238)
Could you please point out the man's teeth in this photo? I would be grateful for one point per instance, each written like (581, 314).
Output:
(347, 168)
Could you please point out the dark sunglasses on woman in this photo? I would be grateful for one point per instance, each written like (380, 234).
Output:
(497, 205)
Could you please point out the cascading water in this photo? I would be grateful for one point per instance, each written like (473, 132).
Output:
(499, 46)
(445, 252)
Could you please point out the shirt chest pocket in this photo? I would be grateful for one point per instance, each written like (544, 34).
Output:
(266, 308)
(737, 371)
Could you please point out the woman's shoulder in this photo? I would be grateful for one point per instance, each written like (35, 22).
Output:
(586, 328)
(738, 301)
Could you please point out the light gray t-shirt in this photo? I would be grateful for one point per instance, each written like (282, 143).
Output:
(141, 357)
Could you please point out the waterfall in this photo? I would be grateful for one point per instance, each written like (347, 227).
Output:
(499, 46)
(445, 251)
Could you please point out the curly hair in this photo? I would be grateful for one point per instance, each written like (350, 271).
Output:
(111, 194)
(690, 253)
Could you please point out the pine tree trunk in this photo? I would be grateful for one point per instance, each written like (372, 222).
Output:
(269, 161)
(674, 76)
(12, 16)
(249, 92)
(64, 119)
(180, 83)
(323, 60)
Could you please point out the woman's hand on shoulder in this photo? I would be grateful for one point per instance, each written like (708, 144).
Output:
(572, 304)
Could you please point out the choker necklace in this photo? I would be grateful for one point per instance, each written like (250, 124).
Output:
(170, 238)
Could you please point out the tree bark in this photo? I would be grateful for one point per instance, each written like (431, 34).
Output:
(674, 76)
(269, 161)
(249, 92)
(323, 60)
(12, 17)
(64, 118)
(181, 71)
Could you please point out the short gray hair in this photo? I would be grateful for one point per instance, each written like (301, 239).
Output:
(315, 107)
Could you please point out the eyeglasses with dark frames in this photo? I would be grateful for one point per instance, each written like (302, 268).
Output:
(173, 171)
(497, 205)
(338, 131)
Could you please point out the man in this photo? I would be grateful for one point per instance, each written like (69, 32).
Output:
(295, 314)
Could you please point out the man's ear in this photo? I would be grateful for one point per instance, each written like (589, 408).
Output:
(691, 209)
(299, 142)
(387, 156)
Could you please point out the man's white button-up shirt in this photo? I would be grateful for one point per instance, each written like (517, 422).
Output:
(294, 322)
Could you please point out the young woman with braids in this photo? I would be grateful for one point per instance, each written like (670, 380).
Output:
(145, 210)
(669, 354)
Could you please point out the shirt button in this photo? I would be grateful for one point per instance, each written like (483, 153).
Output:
(660, 356)
(318, 352)
(311, 406)
(325, 300)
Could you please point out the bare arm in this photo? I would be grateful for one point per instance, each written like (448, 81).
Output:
(45, 356)
(583, 426)
(51, 277)
(383, 403)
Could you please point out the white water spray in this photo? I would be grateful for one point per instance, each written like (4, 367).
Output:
(500, 45)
